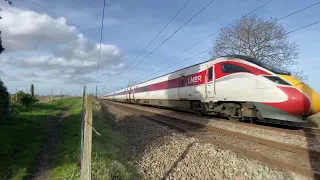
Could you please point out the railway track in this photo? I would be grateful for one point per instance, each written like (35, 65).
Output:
(308, 132)
(300, 160)
(305, 132)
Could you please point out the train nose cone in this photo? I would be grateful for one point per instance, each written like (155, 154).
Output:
(308, 91)
(313, 96)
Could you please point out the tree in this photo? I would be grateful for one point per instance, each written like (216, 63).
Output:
(264, 39)
(4, 101)
(32, 90)
(26, 99)
(1, 47)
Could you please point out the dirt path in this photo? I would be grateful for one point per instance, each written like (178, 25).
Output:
(42, 166)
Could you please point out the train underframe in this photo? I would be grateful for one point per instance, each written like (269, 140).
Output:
(236, 111)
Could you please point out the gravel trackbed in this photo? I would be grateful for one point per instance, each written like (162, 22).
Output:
(163, 153)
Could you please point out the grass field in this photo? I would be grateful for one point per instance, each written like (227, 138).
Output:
(108, 156)
(22, 136)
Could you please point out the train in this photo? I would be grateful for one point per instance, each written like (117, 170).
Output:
(235, 86)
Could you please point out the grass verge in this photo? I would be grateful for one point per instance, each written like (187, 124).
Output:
(109, 159)
(314, 120)
(22, 137)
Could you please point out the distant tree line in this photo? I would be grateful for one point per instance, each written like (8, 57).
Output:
(11, 106)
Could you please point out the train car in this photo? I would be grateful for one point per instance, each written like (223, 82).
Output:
(235, 86)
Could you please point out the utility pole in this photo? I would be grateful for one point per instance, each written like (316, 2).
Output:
(51, 94)
(16, 93)
(96, 91)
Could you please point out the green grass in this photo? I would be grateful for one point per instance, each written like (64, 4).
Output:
(108, 156)
(22, 136)
(67, 155)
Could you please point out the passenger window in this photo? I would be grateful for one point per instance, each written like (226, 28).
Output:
(210, 74)
(182, 81)
(231, 68)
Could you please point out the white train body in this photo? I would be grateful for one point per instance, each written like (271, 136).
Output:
(236, 86)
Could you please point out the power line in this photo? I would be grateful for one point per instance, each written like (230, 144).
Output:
(213, 34)
(104, 6)
(102, 20)
(298, 11)
(182, 61)
(158, 34)
(171, 35)
(303, 27)
(286, 16)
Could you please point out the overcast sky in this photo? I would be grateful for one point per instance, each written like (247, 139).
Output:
(55, 44)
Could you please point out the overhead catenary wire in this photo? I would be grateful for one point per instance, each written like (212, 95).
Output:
(177, 30)
(259, 7)
(157, 34)
(286, 16)
(303, 27)
(101, 35)
(99, 58)
(179, 62)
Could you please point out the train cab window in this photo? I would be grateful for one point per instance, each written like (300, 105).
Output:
(182, 81)
(231, 68)
(210, 74)
(277, 80)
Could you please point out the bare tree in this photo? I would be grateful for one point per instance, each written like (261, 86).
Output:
(1, 47)
(264, 39)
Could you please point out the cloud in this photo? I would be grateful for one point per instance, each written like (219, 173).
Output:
(35, 81)
(2, 73)
(29, 30)
(119, 66)
(29, 74)
(13, 78)
(83, 80)
(115, 70)
(73, 55)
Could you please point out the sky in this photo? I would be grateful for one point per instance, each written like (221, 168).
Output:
(55, 44)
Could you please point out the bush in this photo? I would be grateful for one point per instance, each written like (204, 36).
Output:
(4, 102)
(26, 99)
(14, 108)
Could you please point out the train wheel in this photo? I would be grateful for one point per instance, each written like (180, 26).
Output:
(197, 107)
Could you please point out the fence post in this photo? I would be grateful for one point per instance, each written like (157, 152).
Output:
(84, 100)
(87, 143)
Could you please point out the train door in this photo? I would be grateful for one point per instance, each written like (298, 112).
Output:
(210, 82)
(182, 89)
(130, 93)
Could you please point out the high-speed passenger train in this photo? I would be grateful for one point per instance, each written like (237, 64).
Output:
(235, 86)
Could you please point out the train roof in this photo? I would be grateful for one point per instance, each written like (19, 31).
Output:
(246, 58)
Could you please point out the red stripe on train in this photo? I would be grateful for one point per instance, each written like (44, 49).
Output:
(193, 79)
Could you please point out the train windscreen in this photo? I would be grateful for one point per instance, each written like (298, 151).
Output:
(261, 63)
